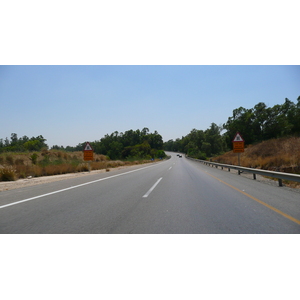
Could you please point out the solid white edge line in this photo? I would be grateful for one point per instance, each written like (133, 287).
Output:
(73, 187)
(153, 187)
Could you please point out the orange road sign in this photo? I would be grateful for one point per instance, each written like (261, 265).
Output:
(238, 147)
(88, 152)
(88, 155)
(238, 143)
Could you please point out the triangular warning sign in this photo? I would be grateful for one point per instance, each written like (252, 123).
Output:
(88, 147)
(238, 138)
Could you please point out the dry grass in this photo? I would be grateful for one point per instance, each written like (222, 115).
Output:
(21, 165)
(282, 155)
(7, 173)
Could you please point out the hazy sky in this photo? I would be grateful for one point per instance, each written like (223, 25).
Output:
(73, 104)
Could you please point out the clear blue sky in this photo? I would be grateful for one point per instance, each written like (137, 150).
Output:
(74, 73)
(73, 104)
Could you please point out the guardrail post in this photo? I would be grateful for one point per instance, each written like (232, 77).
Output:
(254, 176)
(280, 182)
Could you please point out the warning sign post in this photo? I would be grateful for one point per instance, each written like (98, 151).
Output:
(238, 143)
(88, 155)
(88, 152)
(238, 146)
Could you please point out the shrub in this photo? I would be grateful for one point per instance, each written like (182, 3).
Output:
(45, 161)
(98, 165)
(160, 154)
(59, 154)
(58, 169)
(202, 155)
(19, 161)
(82, 167)
(100, 157)
(34, 158)
(23, 170)
(45, 152)
(7, 173)
(10, 159)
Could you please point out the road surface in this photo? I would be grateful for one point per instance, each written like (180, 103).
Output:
(173, 196)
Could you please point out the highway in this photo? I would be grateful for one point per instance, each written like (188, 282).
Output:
(175, 196)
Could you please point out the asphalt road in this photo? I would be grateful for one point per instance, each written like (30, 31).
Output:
(173, 196)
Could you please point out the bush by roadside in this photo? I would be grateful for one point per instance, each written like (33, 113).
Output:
(282, 155)
(15, 166)
(7, 173)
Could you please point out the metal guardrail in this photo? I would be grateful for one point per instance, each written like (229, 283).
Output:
(278, 175)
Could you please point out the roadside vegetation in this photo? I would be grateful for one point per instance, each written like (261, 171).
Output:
(15, 166)
(24, 157)
(271, 134)
(271, 137)
(281, 155)
(256, 125)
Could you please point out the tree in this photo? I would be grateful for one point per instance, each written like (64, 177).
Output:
(242, 121)
(213, 137)
(115, 150)
(155, 140)
(260, 118)
(14, 139)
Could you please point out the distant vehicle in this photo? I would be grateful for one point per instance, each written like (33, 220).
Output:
(180, 155)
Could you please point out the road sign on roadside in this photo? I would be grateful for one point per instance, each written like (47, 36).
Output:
(238, 146)
(88, 147)
(238, 138)
(88, 152)
(238, 143)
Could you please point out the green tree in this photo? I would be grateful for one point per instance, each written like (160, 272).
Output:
(214, 138)
(14, 139)
(115, 150)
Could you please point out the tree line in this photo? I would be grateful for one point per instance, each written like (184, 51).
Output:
(262, 123)
(198, 143)
(22, 144)
(131, 144)
(255, 125)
